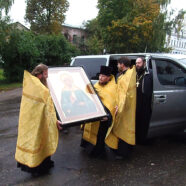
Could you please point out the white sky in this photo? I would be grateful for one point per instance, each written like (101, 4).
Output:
(79, 10)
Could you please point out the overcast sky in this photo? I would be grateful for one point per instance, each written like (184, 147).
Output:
(79, 10)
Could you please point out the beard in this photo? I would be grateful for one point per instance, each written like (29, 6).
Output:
(120, 70)
(44, 81)
(104, 83)
(140, 70)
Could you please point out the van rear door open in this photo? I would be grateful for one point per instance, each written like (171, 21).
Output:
(90, 65)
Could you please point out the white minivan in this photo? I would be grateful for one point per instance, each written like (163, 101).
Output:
(169, 86)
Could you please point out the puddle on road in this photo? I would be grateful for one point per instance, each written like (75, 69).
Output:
(8, 132)
(4, 130)
(7, 136)
(11, 111)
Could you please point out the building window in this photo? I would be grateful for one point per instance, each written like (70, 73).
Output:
(82, 39)
(171, 42)
(75, 39)
(66, 36)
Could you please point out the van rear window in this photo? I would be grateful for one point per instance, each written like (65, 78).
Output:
(90, 65)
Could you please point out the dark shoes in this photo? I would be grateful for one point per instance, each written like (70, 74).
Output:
(51, 164)
(42, 169)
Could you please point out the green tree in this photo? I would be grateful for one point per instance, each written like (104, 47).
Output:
(23, 50)
(55, 50)
(19, 52)
(46, 16)
(110, 10)
(5, 28)
(94, 43)
(6, 5)
(134, 25)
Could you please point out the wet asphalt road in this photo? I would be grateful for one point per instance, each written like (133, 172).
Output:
(161, 163)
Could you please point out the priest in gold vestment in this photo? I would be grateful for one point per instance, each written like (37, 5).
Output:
(95, 132)
(121, 136)
(38, 126)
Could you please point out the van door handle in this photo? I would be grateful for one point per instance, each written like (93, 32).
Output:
(160, 98)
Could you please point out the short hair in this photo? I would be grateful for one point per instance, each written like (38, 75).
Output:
(39, 69)
(125, 60)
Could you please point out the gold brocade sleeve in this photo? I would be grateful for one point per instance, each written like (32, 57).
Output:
(37, 130)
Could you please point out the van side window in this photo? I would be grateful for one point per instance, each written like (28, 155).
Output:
(91, 66)
(170, 73)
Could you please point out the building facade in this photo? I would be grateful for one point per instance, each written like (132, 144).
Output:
(176, 42)
(19, 26)
(75, 35)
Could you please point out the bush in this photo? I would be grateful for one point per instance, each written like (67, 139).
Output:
(1, 62)
(19, 52)
(55, 50)
(24, 50)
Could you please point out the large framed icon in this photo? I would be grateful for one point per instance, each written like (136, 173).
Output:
(73, 95)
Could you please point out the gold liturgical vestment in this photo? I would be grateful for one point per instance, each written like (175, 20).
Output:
(107, 96)
(124, 125)
(37, 130)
